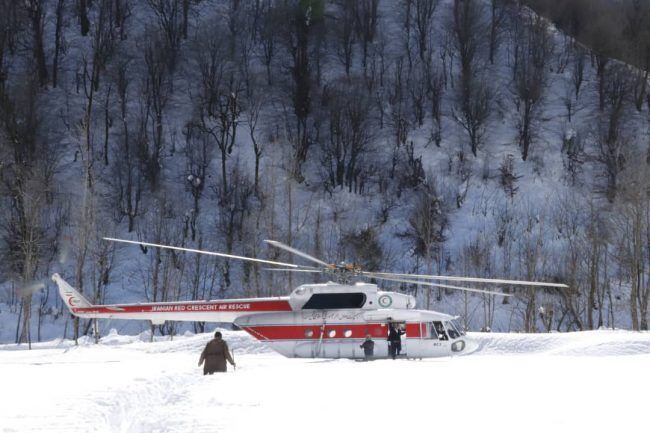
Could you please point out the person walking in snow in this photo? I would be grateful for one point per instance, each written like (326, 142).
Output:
(368, 347)
(215, 355)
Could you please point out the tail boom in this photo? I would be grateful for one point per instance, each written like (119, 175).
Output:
(159, 312)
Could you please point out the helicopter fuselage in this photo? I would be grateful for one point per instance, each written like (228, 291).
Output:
(314, 321)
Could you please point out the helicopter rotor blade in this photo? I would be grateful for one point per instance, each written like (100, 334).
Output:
(444, 286)
(210, 253)
(298, 253)
(474, 280)
(314, 271)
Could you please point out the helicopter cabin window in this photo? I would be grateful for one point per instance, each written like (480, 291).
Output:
(333, 301)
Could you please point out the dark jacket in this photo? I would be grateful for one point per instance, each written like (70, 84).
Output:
(368, 347)
(394, 334)
(215, 355)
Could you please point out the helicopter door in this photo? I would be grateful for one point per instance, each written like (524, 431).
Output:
(401, 346)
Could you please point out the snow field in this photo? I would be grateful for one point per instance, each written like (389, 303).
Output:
(587, 381)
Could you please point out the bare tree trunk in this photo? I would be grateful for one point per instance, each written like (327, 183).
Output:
(37, 18)
(57, 41)
(83, 17)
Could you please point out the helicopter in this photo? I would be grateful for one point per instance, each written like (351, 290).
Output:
(328, 320)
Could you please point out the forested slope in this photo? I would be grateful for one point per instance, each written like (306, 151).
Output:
(462, 137)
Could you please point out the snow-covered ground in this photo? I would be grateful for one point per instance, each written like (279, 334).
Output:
(589, 381)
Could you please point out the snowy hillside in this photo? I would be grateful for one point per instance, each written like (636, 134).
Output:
(440, 137)
(512, 382)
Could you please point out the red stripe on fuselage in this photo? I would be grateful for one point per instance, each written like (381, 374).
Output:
(196, 307)
(413, 329)
(333, 331)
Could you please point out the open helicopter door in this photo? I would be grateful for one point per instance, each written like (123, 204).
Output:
(400, 326)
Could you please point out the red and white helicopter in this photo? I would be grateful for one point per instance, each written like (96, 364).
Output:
(316, 320)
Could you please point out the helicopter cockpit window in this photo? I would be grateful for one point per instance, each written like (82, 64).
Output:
(332, 301)
(458, 326)
(451, 330)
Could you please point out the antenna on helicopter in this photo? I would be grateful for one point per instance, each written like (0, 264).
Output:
(345, 271)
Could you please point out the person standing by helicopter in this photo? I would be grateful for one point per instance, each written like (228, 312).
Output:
(368, 347)
(215, 355)
(394, 340)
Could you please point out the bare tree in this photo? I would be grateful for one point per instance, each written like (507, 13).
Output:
(236, 25)
(533, 51)
(498, 15)
(235, 206)
(573, 147)
(477, 261)
(186, 12)
(635, 31)
(123, 9)
(366, 18)
(570, 218)
(198, 156)
(531, 255)
(611, 133)
(426, 226)
(84, 22)
(101, 266)
(25, 235)
(85, 228)
(417, 85)
(349, 138)
(8, 31)
(254, 105)
(467, 26)
(268, 37)
(345, 33)
(162, 276)
(474, 112)
(632, 227)
(23, 194)
(435, 86)
(398, 117)
(129, 181)
(595, 255)
(508, 177)
(298, 34)
(473, 104)
(103, 46)
(170, 22)
(58, 41)
(423, 11)
(407, 34)
(36, 14)
(156, 92)
(219, 119)
(577, 72)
